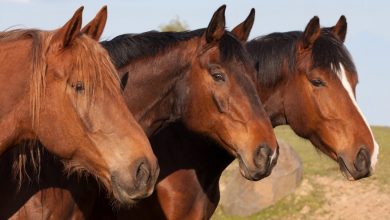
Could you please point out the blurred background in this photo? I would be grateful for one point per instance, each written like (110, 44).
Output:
(322, 192)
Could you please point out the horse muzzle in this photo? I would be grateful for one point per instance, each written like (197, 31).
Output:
(263, 161)
(360, 168)
(136, 186)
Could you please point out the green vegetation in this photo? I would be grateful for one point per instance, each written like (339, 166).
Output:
(175, 25)
(317, 164)
(314, 162)
(287, 207)
(382, 173)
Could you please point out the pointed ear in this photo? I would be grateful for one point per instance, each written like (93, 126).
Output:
(311, 33)
(94, 28)
(216, 28)
(340, 29)
(65, 35)
(243, 30)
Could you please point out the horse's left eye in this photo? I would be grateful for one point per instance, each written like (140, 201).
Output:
(79, 86)
(218, 77)
(317, 82)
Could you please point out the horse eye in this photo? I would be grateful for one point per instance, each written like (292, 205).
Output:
(79, 86)
(218, 77)
(317, 82)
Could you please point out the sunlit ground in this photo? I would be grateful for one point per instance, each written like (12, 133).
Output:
(323, 187)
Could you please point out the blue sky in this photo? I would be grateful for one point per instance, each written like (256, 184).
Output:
(368, 37)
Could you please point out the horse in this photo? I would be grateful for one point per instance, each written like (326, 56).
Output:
(328, 78)
(305, 80)
(56, 85)
(218, 99)
(199, 79)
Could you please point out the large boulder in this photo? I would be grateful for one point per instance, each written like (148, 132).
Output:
(242, 197)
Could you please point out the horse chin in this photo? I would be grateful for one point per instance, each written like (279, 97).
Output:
(123, 199)
(352, 174)
(344, 169)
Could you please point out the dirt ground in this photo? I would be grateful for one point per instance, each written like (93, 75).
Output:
(346, 200)
(324, 193)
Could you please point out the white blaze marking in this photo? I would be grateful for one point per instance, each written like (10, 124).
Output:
(344, 80)
(274, 154)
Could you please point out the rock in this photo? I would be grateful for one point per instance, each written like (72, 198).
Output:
(241, 197)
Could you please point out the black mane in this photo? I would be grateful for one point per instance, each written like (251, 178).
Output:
(128, 47)
(269, 53)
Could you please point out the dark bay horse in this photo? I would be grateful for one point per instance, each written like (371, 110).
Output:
(55, 90)
(306, 80)
(201, 80)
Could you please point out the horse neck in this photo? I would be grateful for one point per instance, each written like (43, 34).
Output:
(152, 91)
(14, 98)
(180, 149)
(273, 98)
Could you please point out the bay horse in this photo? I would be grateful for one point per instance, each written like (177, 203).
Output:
(305, 80)
(55, 89)
(201, 80)
(322, 74)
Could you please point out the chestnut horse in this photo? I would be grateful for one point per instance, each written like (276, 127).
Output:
(202, 80)
(306, 80)
(55, 90)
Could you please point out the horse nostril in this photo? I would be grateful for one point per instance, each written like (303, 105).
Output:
(263, 156)
(362, 162)
(143, 174)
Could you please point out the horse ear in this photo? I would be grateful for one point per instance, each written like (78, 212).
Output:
(94, 28)
(216, 27)
(71, 30)
(243, 30)
(311, 33)
(340, 29)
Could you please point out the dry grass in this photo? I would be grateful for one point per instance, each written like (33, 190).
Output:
(311, 200)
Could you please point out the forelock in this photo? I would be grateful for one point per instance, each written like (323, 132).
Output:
(329, 52)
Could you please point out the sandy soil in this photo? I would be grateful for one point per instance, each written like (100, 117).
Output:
(347, 200)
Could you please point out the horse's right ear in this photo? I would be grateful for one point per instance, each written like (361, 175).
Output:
(340, 29)
(312, 33)
(94, 28)
(70, 31)
(216, 28)
(243, 30)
